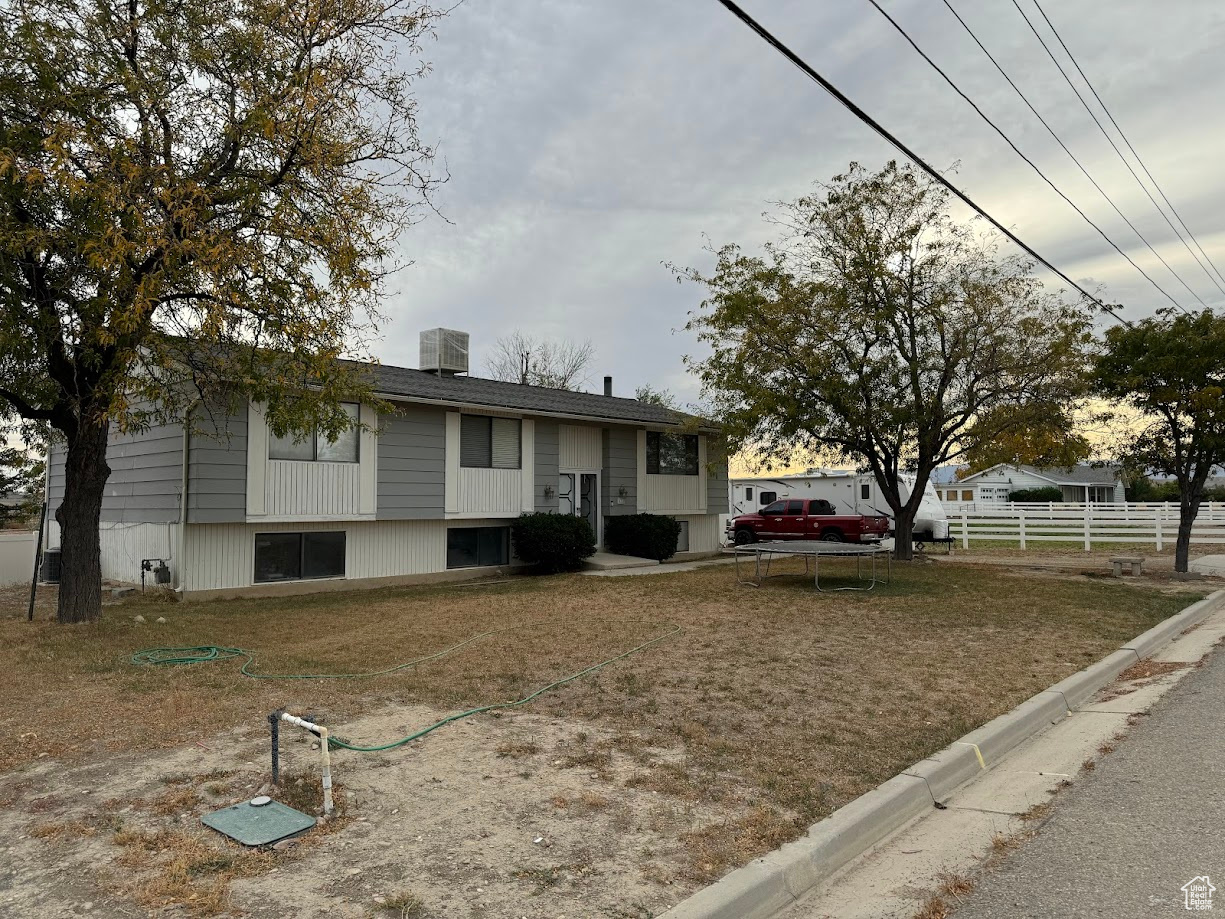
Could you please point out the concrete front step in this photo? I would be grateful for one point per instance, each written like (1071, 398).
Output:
(607, 561)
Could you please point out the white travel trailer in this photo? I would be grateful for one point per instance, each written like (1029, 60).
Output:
(849, 492)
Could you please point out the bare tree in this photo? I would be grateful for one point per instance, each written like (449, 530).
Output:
(555, 364)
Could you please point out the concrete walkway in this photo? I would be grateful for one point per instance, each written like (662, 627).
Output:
(1148, 819)
(1123, 837)
(646, 566)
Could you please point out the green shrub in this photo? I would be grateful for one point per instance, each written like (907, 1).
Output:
(552, 542)
(642, 535)
(1049, 493)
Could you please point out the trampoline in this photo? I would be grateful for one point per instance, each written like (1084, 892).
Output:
(764, 552)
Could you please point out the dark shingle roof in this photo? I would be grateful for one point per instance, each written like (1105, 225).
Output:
(466, 390)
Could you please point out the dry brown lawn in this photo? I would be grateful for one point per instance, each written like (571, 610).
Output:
(785, 701)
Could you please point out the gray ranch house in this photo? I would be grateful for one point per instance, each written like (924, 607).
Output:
(428, 495)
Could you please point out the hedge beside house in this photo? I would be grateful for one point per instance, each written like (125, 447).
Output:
(1025, 495)
(642, 535)
(552, 542)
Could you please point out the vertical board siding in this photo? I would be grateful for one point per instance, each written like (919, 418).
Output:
(412, 465)
(620, 471)
(124, 545)
(217, 468)
(580, 447)
(222, 556)
(300, 489)
(705, 532)
(546, 465)
(490, 491)
(673, 494)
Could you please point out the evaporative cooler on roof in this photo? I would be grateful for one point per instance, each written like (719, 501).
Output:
(444, 351)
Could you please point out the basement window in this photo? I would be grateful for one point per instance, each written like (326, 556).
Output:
(478, 547)
(299, 556)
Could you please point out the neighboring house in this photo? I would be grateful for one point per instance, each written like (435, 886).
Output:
(429, 496)
(1082, 483)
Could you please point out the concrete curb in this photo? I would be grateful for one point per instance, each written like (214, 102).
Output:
(768, 884)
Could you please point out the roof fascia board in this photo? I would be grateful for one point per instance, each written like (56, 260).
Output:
(534, 412)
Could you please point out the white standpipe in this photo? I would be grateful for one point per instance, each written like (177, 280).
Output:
(325, 755)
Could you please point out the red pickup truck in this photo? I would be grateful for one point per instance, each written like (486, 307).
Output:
(806, 519)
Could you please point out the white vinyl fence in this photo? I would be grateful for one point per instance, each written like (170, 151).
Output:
(1146, 524)
(16, 556)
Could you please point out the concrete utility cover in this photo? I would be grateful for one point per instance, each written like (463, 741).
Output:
(1209, 564)
(258, 825)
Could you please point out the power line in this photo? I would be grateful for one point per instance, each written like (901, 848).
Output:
(867, 119)
(1066, 150)
(1017, 150)
(1106, 134)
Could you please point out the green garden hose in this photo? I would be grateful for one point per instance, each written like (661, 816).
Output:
(201, 654)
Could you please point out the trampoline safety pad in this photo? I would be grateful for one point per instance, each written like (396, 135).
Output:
(258, 824)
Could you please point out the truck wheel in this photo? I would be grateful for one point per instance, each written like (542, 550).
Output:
(831, 536)
(745, 536)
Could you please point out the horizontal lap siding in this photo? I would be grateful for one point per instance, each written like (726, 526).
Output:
(547, 465)
(145, 480)
(412, 465)
(217, 469)
(620, 461)
(716, 487)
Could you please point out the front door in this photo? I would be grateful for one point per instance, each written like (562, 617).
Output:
(579, 494)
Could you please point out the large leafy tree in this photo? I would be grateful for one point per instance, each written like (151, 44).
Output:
(194, 198)
(1170, 368)
(879, 330)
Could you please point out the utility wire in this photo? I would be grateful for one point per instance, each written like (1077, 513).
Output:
(1059, 141)
(1017, 150)
(1106, 134)
(876, 126)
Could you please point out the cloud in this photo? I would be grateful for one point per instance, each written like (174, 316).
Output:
(590, 142)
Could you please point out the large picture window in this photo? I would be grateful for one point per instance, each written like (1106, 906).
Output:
(315, 447)
(475, 547)
(672, 454)
(299, 556)
(490, 443)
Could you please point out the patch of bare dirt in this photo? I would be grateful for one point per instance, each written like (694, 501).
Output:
(515, 816)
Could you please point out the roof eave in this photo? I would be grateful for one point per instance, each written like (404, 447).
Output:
(543, 413)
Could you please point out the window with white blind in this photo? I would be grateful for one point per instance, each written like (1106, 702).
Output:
(490, 443)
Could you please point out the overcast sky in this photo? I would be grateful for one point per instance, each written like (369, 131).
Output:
(589, 141)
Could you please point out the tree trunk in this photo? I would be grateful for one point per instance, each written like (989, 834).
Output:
(903, 536)
(85, 475)
(1187, 513)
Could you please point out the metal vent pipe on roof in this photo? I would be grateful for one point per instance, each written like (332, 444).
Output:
(608, 386)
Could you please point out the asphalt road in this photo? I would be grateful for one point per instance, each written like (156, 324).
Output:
(1125, 838)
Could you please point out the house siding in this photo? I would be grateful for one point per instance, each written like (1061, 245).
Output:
(412, 465)
(619, 459)
(145, 480)
(548, 454)
(217, 468)
(716, 486)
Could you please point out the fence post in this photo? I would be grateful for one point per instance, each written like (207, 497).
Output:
(1022, 522)
(1157, 517)
(1088, 538)
(965, 531)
